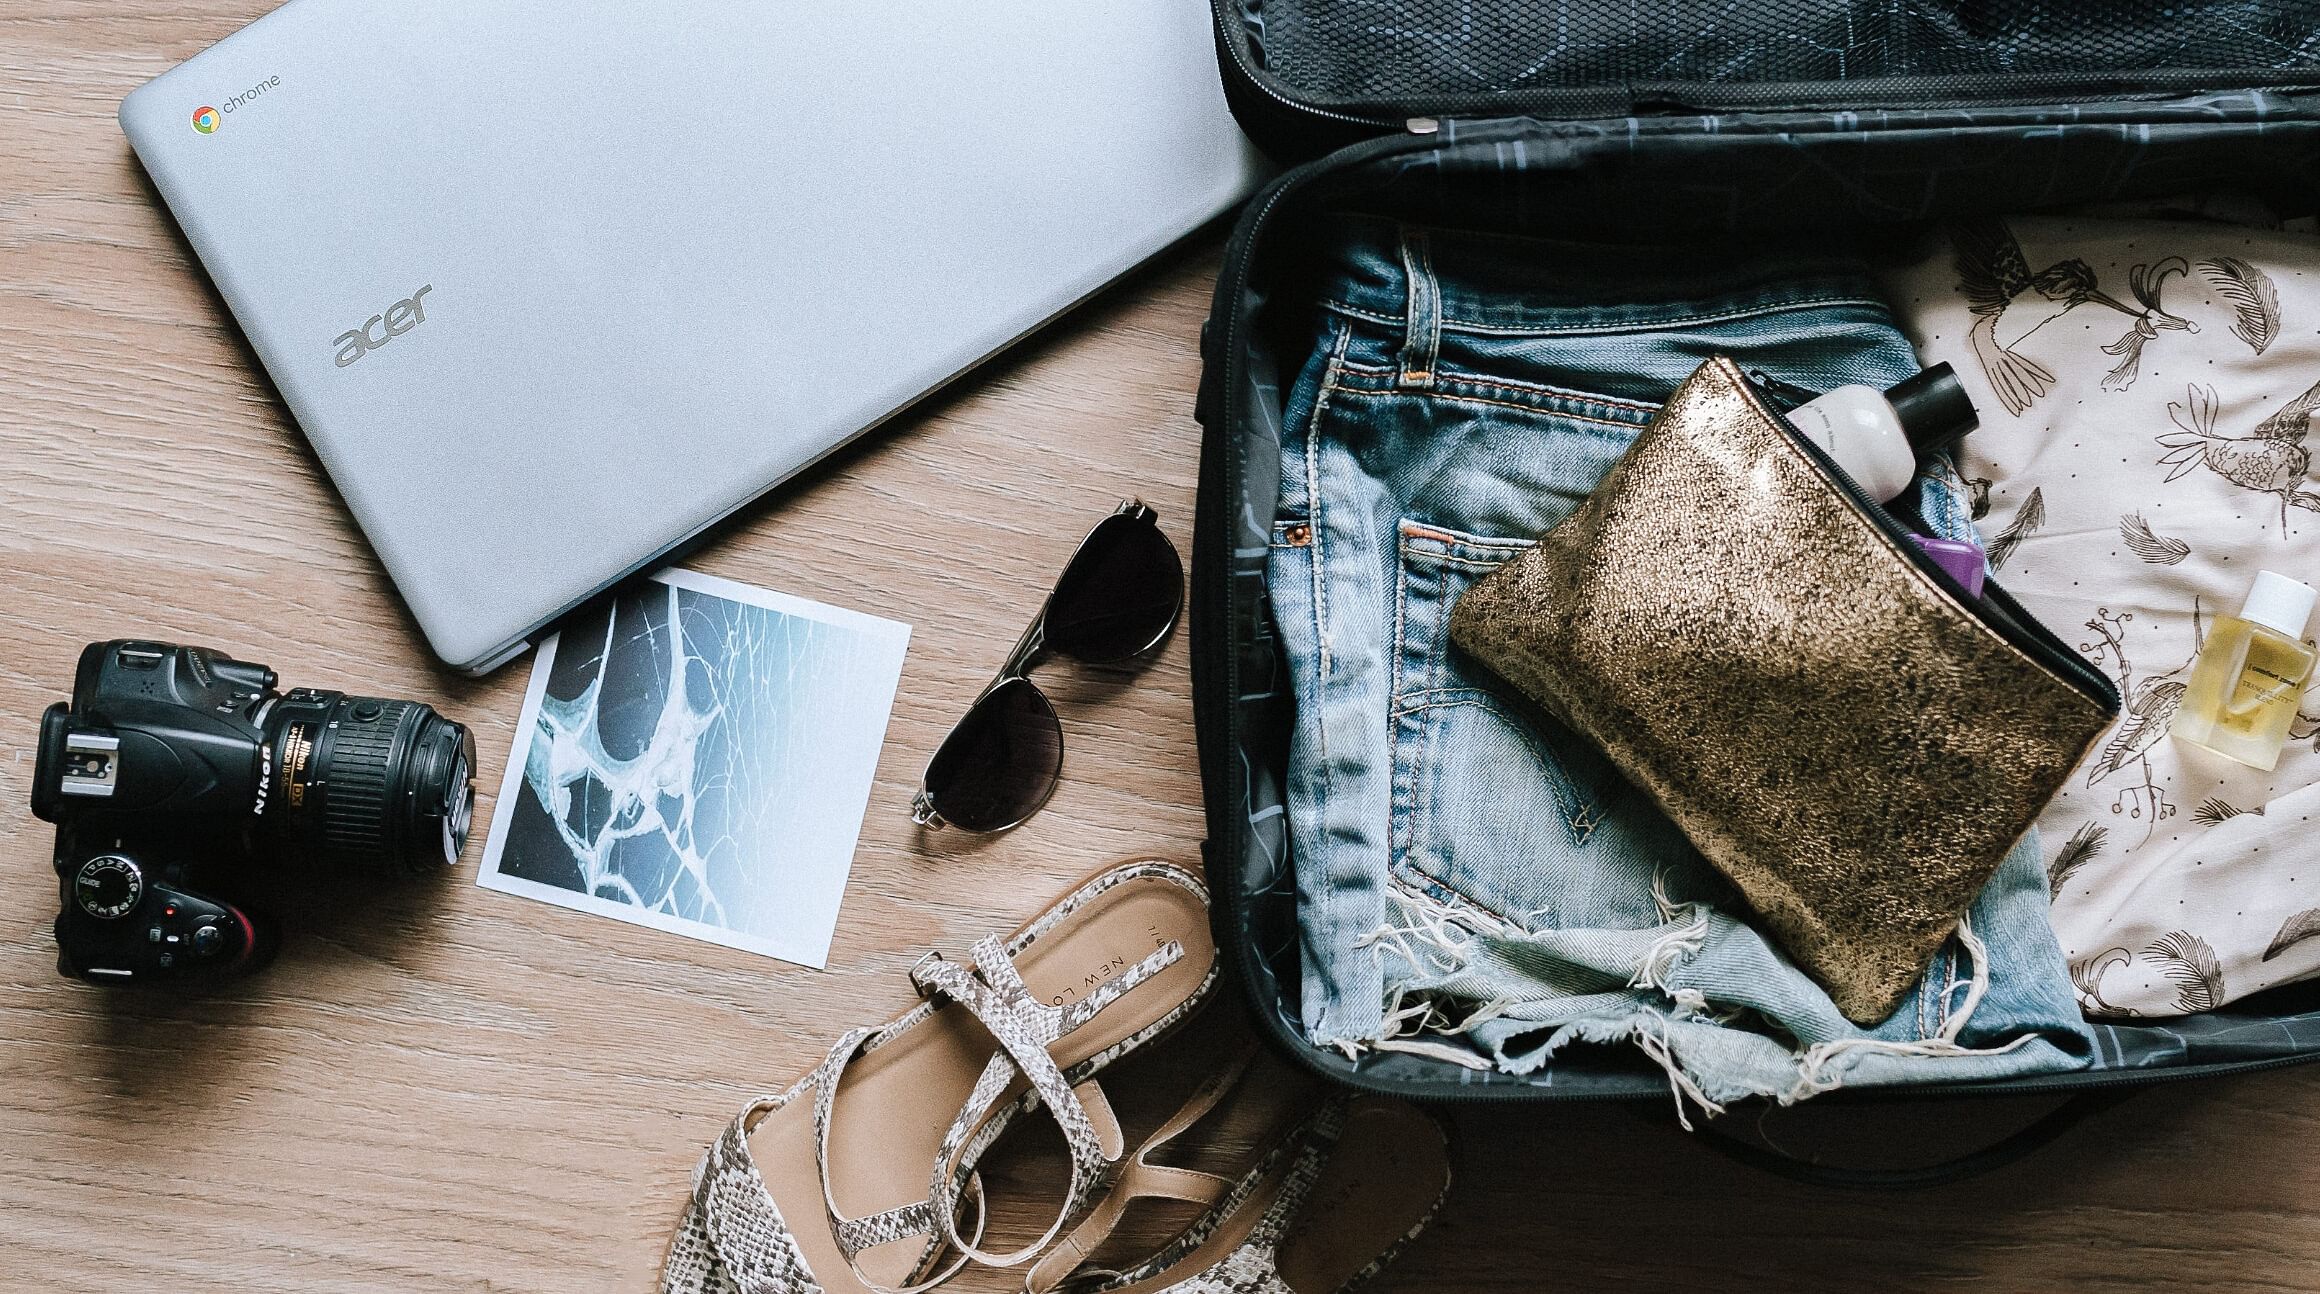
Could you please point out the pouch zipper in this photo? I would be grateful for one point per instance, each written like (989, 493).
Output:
(1788, 392)
(2069, 665)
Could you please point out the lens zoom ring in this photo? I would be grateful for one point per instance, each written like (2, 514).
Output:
(354, 812)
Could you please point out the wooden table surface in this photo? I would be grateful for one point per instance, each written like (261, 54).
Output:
(444, 1087)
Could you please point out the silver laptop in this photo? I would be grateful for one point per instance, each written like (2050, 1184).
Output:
(552, 287)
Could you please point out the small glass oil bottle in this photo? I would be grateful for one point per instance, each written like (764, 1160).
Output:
(2250, 675)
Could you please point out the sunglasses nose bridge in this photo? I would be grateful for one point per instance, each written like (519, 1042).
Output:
(1028, 649)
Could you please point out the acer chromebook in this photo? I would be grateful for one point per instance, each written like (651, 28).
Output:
(552, 287)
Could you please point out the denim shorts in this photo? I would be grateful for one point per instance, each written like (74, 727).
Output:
(1475, 881)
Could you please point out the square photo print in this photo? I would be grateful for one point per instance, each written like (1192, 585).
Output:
(696, 756)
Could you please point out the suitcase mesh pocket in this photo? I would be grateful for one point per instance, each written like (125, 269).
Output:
(1584, 54)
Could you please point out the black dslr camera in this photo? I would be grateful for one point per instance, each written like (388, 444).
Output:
(175, 767)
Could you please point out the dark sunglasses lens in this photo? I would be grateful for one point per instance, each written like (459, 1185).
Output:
(1120, 594)
(1000, 764)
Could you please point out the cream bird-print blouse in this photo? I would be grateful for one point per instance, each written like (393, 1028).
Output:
(2146, 387)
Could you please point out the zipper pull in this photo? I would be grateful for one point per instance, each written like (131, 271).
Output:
(1782, 395)
(1422, 125)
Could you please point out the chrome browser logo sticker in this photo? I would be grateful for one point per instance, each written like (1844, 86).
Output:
(205, 120)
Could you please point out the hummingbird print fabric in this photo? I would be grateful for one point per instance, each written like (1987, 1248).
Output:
(2146, 389)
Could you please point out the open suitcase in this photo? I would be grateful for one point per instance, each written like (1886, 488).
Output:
(1579, 118)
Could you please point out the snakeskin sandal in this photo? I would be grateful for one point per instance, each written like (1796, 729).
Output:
(1340, 1193)
(854, 1180)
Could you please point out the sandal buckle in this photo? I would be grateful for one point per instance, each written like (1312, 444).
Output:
(925, 989)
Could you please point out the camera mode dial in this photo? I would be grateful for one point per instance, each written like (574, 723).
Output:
(108, 886)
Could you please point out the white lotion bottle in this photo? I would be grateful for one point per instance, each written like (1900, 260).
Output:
(1878, 436)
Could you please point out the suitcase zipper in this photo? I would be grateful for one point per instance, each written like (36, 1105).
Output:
(1227, 14)
(2067, 1083)
(1214, 718)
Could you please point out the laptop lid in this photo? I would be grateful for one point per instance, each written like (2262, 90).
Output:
(551, 288)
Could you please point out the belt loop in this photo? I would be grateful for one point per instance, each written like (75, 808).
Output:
(1423, 339)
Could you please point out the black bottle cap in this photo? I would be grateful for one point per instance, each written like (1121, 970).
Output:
(1934, 409)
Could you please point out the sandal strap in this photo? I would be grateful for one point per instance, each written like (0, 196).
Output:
(1141, 1179)
(1295, 1161)
(857, 1234)
(1025, 1029)
(853, 1235)
(824, 1082)
(939, 1275)
(739, 1232)
(995, 994)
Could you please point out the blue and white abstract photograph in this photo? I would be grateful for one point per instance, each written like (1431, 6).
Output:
(696, 756)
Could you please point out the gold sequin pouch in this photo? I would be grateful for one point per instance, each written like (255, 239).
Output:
(1836, 725)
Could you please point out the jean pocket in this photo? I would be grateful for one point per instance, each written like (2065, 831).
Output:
(1495, 804)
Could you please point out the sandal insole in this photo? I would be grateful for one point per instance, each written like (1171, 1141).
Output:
(1391, 1167)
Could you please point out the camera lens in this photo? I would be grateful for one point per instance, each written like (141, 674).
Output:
(369, 782)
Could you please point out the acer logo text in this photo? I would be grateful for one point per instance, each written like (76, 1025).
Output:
(380, 329)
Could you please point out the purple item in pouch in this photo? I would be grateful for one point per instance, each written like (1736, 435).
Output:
(1964, 562)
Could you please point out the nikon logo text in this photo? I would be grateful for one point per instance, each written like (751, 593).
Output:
(380, 329)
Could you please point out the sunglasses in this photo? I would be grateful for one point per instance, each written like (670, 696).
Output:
(1116, 600)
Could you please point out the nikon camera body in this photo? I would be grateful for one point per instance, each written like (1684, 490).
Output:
(175, 770)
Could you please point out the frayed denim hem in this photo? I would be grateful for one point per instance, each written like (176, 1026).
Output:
(1454, 1000)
